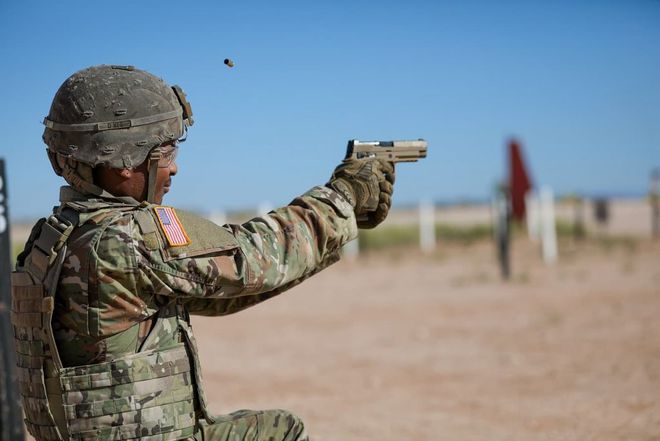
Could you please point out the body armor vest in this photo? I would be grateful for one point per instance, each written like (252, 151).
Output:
(149, 395)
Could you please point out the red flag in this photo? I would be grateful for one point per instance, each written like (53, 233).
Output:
(519, 181)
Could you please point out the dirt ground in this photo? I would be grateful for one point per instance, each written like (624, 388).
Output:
(402, 346)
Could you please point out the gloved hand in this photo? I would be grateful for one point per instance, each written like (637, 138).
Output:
(368, 186)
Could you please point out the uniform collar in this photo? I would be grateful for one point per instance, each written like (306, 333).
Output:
(70, 194)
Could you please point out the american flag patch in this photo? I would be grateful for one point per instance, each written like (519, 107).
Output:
(171, 225)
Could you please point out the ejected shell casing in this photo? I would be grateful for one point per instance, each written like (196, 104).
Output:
(229, 62)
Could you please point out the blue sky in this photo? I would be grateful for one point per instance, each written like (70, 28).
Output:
(577, 82)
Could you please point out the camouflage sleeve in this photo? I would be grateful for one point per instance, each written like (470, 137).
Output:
(267, 255)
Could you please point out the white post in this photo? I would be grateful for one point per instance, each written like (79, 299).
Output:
(351, 249)
(532, 216)
(427, 226)
(548, 226)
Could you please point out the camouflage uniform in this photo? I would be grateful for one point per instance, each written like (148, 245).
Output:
(120, 306)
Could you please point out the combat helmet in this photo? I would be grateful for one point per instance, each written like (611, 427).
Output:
(114, 116)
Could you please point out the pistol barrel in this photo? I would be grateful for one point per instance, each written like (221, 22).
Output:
(395, 151)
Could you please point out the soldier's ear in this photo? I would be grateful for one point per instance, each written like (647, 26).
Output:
(104, 175)
(124, 173)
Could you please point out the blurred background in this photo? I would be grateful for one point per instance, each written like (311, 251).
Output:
(461, 317)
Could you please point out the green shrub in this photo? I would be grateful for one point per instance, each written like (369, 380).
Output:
(462, 235)
(388, 237)
(16, 249)
(408, 236)
(567, 229)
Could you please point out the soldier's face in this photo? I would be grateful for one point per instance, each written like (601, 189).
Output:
(135, 182)
(164, 181)
(166, 169)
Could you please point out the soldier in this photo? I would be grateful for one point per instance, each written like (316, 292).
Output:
(103, 290)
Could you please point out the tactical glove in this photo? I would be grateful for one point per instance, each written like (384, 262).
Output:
(368, 186)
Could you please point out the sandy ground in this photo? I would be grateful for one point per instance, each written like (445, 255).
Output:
(438, 348)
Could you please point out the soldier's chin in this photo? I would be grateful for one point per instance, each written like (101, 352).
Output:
(161, 195)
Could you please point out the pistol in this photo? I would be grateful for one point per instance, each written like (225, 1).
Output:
(395, 151)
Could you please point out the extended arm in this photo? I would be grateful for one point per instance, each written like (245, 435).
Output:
(270, 253)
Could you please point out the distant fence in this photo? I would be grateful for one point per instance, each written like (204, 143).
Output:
(458, 223)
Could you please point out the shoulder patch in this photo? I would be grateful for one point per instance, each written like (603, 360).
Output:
(206, 238)
(171, 226)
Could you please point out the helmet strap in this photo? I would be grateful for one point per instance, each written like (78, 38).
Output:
(68, 169)
(154, 157)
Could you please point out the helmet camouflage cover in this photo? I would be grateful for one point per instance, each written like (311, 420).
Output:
(114, 115)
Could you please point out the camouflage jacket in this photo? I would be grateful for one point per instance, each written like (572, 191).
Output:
(120, 267)
(101, 299)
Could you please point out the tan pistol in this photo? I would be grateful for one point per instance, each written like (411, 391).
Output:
(394, 151)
